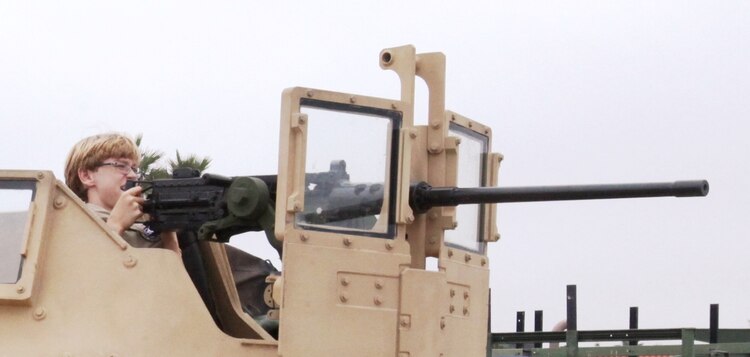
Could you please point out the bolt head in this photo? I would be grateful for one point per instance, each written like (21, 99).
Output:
(130, 261)
(39, 313)
(59, 202)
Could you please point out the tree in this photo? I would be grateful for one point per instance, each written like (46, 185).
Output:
(150, 162)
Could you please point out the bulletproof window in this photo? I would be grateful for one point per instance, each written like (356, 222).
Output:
(15, 203)
(350, 166)
(472, 169)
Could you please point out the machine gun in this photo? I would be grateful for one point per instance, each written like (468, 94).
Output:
(220, 207)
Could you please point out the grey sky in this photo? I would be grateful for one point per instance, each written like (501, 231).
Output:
(576, 92)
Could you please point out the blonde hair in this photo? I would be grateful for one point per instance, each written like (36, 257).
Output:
(89, 153)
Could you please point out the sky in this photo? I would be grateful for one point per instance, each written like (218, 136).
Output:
(576, 92)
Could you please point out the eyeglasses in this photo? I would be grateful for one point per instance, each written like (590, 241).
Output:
(123, 168)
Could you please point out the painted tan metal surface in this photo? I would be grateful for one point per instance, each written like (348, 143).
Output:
(93, 295)
(330, 279)
(85, 292)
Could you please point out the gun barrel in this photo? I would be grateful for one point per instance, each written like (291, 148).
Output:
(426, 197)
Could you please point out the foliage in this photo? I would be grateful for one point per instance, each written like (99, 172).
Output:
(152, 169)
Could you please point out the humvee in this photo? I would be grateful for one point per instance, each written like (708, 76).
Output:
(362, 199)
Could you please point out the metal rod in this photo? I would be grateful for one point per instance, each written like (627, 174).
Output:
(714, 324)
(633, 323)
(571, 308)
(520, 322)
(538, 325)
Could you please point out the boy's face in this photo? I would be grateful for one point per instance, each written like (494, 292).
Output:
(105, 181)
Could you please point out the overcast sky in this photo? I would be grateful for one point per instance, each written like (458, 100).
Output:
(575, 91)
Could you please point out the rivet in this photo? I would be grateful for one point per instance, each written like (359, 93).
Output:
(412, 134)
(303, 237)
(453, 308)
(484, 262)
(486, 131)
(40, 175)
(394, 106)
(301, 120)
(20, 289)
(352, 99)
(471, 124)
(442, 323)
(59, 202)
(450, 252)
(453, 293)
(434, 149)
(458, 141)
(404, 322)
(130, 261)
(466, 310)
(378, 284)
(436, 125)
(39, 313)
(467, 257)
(466, 295)
(344, 281)
(388, 246)
(453, 117)
(497, 236)
(296, 206)
(343, 298)
(377, 301)
(309, 94)
(347, 241)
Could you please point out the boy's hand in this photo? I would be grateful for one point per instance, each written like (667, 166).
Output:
(128, 208)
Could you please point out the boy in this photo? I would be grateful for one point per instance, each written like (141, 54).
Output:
(96, 169)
